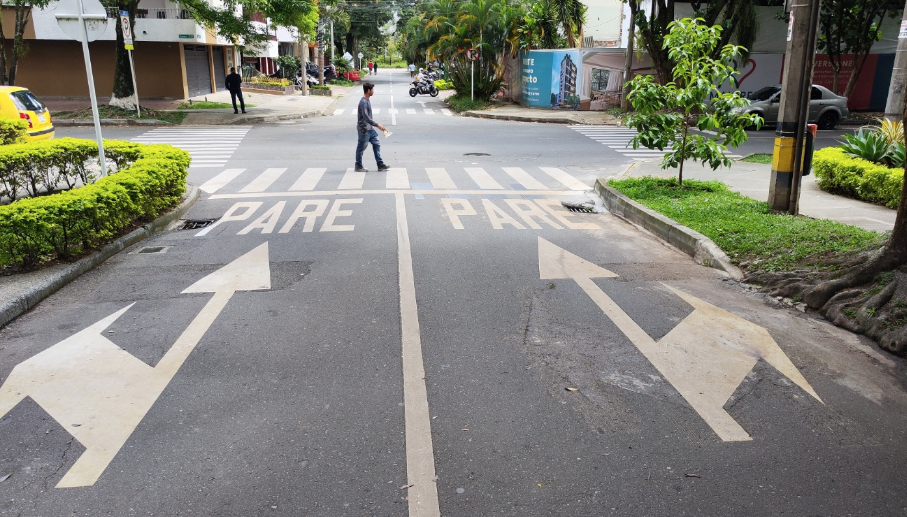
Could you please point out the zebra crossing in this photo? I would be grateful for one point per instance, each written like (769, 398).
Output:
(617, 139)
(208, 146)
(502, 180)
(395, 111)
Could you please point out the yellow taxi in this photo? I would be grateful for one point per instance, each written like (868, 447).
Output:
(19, 103)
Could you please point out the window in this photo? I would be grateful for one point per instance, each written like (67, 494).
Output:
(816, 94)
(26, 101)
(600, 79)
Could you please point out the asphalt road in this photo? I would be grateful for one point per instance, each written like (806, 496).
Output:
(444, 338)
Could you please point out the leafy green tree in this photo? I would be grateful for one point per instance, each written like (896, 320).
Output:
(570, 14)
(736, 17)
(22, 12)
(851, 27)
(666, 113)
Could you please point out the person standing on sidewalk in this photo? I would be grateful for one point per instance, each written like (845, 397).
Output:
(232, 83)
(369, 68)
(412, 70)
(365, 126)
(375, 66)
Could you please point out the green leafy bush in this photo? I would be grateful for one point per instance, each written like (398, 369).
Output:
(489, 76)
(842, 173)
(868, 145)
(12, 131)
(150, 179)
(461, 102)
(443, 84)
(340, 81)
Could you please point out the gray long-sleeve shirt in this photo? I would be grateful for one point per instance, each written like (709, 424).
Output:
(364, 119)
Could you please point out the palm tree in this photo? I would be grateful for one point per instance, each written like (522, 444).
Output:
(570, 14)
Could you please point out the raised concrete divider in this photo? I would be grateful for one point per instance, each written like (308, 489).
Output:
(20, 296)
(689, 241)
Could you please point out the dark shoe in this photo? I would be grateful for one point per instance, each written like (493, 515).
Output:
(243, 111)
(360, 168)
(236, 112)
(383, 167)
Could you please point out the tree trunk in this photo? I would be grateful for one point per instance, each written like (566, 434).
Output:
(3, 75)
(123, 95)
(19, 45)
(896, 89)
(858, 61)
(628, 64)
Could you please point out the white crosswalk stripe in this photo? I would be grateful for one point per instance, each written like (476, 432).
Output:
(617, 138)
(208, 146)
(320, 179)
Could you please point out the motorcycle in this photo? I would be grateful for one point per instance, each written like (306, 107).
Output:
(426, 86)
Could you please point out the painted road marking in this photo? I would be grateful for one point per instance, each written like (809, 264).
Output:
(214, 184)
(429, 111)
(422, 494)
(620, 137)
(482, 179)
(339, 111)
(202, 142)
(309, 179)
(705, 357)
(352, 180)
(99, 392)
(439, 178)
(397, 178)
(524, 179)
(446, 112)
(410, 111)
(264, 180)
(565, 179)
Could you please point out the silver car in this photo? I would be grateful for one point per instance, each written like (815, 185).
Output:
(825, 108)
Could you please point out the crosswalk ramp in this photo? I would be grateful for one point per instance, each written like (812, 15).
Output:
(395, 111)
(208, 146)
(466, 179)
(617, 138)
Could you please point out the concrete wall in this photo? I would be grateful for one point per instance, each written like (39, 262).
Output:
(158, 70)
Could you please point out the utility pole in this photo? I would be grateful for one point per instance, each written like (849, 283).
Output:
(628, 64)
(894, 107)
(784, 186)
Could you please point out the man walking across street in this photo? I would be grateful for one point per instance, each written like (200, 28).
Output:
(367, 134)
(233, 83)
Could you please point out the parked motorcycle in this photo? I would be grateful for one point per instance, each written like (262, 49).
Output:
(422, 88)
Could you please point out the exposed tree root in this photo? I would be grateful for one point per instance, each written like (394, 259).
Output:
(868, 295)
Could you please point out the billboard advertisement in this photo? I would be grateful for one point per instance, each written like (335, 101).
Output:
(551, 79)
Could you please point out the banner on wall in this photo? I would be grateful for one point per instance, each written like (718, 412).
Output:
(551, 79)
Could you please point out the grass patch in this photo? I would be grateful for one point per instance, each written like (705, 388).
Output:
(751, 235)
(460, 103)
(173, 117)
(208, 105)
(340, 81)
(758, 158)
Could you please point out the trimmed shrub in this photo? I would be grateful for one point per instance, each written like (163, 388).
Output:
(841, 173)
(13, 131)
(150, 179)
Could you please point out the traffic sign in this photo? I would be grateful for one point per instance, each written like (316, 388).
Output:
(127, 29)
(70, 14)
(472, 54)
(360, 55)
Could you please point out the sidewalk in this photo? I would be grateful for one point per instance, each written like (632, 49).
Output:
(523, 114)
(752, 180)
(268, 108)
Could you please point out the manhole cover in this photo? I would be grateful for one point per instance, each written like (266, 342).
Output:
(476, 154)
(195, 224)
(152, 249)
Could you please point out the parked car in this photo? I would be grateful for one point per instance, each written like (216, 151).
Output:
(825, 108)
(19, 103)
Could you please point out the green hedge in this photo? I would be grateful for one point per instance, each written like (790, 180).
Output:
(12, 131)
(150, 179)
(841, 173)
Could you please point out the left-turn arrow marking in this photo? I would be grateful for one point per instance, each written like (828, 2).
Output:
(98, 392)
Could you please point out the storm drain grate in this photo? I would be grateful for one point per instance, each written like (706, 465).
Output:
(196, 224)
(580, 209)
(476, 154)
(152, 249)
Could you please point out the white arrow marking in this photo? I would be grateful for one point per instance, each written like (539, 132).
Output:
(98, 392)
(705, 357)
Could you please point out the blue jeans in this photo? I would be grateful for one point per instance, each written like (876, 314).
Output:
(364, 138)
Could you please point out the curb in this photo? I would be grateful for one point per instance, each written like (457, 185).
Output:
(109, 122)
(696, 245)
(519, 118)
(11, 309)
